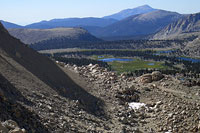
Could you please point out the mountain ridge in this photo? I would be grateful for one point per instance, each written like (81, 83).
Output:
(83, 22)
(71, 22)
(30, 36)
(188, 24)
(141, 24)
(10, 25)
(130, 12)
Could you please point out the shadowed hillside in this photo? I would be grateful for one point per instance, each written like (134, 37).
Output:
(32, 75)
(30, 36)
(11, 109)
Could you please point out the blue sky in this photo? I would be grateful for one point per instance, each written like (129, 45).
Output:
(29, 11)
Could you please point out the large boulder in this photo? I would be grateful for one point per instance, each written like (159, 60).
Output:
(156, 76)
(10, 124)
(146, 78)
(17, 130)
(3, 129)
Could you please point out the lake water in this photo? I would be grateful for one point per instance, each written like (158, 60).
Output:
(189, 59)
(100, 56)
(115, 59)
(181, 58)
(151, 64)
(164, 52)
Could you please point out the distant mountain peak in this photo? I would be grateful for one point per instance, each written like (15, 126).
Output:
(139, 7)
(130, 12)
(139, 25)
(145, 6)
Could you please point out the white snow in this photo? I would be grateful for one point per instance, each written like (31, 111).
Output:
(136, 106)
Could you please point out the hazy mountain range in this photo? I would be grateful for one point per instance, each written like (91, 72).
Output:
(95, 26)
(89, 21)
(72, 22)
(136, 23)
(130, 12)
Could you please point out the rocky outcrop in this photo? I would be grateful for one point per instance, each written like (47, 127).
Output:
(192, 82)
(156, 76)
(187, 24)
(10, 126)
(148, 78)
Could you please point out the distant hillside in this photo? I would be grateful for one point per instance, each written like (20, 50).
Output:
(130, 12)
(186, 25)
(72, 22)
(31, 36)
(138, 25)
(193, 47)
(10, 25)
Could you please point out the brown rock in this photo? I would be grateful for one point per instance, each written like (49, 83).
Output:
(3, 129)
(156, 76)
(10, 124)
(146, 78)
(16, 130)
(128, 95)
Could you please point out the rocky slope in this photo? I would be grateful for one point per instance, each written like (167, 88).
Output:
(31, 36)
(193, 47)
(10, 126)
(185, 28)
(187, 25)
(167, 104)
(38, 89)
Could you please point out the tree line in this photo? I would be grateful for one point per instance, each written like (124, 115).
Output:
(87, 42)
